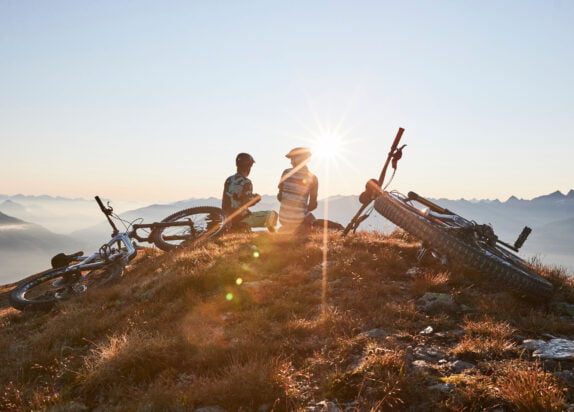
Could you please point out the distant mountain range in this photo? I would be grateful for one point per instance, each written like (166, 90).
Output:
(58, 214)
(26, 248)
(550, 216)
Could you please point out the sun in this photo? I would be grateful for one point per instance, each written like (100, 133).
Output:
(326, 145)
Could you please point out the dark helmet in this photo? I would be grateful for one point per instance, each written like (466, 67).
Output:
(302, 152)
(244, 160)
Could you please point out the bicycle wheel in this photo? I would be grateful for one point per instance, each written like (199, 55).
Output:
(198, 224)
(42, 292)
(331, 226)
(497, 264)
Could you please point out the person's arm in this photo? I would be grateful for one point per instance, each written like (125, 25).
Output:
(313, 194)
(225, 200)
(280, 185)
(248, 195)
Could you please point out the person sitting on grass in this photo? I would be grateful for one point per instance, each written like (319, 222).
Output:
(298, 189)
(238, 196)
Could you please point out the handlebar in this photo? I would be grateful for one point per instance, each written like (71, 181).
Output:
(397, 139)
(391, 154)
(108, 212)
(105, 210)
(374, 186)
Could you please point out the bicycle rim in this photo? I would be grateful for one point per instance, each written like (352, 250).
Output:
(56, 285)
(201, 223)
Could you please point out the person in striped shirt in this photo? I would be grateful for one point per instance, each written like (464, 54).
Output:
(297, 192)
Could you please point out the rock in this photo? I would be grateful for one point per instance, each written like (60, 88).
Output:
(566, 376)
(563, 308)
(532, 344)
(325, 406)
(461, 366)
(450, 335)
(413, 272)
(375, 334)
(437, 302)
(428, 354)
(560, 349)
(421, 367)
(441, 387)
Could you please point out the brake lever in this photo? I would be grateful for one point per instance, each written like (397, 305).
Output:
(397, 156)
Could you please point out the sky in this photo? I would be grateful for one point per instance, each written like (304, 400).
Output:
(151, 101)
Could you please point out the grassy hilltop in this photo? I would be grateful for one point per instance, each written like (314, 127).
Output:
(257, 323)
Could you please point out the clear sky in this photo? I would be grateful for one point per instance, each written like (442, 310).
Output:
(152, 100)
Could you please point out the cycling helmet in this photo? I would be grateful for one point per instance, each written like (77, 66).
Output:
(302, 152)
(244, 160)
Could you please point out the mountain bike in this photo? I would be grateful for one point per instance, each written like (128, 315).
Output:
(197, 224)
(448, 235)
(75, 274)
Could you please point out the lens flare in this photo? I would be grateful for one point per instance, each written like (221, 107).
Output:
(326, 145)
(238, 281)
(256, 254)
(229, 296)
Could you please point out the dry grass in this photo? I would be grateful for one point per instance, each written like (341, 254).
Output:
(252, 321)
(486, 339)
(431, 282)
(513, 385)
(528, 388)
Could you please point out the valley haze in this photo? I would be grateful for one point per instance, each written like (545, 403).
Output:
(34, 228)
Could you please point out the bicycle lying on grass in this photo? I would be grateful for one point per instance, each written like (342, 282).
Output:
(449, 235)
(75, 274)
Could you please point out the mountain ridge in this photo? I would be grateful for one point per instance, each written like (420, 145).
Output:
(557, 194)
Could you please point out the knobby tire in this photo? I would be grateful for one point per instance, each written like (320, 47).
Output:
(502, 270)
(212, 229)
(21, 296)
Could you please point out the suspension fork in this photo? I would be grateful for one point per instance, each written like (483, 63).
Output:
(376, 185)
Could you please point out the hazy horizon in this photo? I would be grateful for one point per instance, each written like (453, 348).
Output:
(152, 101)
(218, 196)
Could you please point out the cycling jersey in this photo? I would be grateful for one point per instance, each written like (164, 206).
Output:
(237, 191)
(297, 194)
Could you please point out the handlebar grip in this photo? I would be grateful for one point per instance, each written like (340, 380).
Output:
(522, 237)
(397, 139)
(100, 203)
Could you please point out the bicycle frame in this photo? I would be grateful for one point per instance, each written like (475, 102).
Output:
(100, 258)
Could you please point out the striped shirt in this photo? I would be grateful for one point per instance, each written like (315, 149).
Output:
(297, 194)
